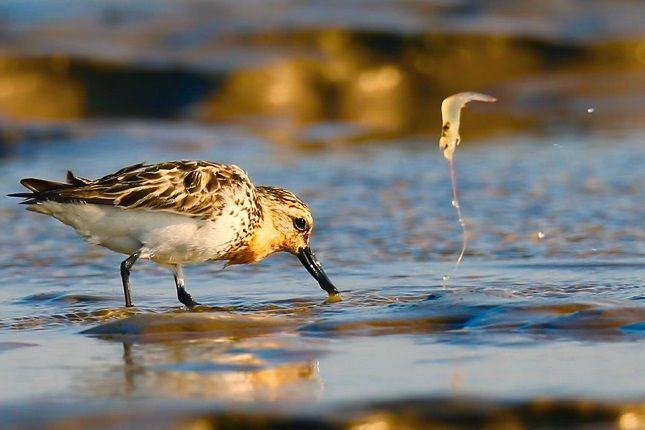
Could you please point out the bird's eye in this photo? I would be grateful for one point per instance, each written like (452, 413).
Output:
(300, 224)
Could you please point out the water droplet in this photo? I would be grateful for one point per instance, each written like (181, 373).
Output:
(591, 110)
(455, 204)
(540, 235)
(445, 277)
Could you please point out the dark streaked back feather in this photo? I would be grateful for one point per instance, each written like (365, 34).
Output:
(72, 179)
(197, 189)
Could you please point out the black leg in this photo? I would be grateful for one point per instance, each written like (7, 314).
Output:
(182, 294)
(125, 277)
(185, 298)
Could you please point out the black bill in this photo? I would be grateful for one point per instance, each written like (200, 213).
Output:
(308, 259)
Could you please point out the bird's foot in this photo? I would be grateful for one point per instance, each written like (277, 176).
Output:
(186, 299)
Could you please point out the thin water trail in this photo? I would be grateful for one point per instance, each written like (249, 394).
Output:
(460, 218)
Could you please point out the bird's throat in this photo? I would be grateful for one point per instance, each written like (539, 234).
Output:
(265, 240)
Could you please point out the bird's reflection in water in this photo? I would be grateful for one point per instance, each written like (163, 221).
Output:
(247, 370)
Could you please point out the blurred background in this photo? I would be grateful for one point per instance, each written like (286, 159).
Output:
(319, 73)
(338, 101)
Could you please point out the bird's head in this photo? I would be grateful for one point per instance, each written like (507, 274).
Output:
(287, 225)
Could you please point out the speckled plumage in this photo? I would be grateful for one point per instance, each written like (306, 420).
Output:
(198, 189)
(177, 213)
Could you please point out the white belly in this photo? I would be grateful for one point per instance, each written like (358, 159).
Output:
(161, 237)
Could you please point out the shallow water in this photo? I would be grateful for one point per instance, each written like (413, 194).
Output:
(522, 319)
(542, 324)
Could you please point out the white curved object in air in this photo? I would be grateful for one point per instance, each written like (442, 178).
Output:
(450, 115)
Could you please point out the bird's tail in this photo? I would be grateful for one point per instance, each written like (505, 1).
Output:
(38, 188)
(42, 189)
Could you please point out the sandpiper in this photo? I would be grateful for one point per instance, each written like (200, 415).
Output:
(180, 212)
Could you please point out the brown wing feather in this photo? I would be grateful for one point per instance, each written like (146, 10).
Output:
(198, 189)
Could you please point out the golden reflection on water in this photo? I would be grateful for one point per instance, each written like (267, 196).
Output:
(219, 356)
(221, 369)
(292, 382)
